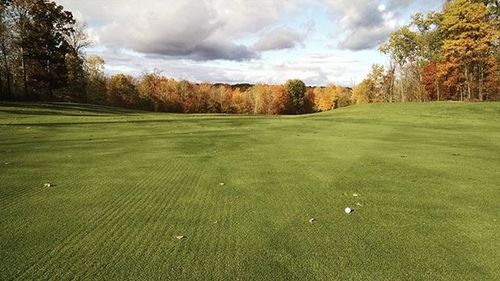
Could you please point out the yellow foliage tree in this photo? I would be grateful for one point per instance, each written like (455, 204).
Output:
(468, 48)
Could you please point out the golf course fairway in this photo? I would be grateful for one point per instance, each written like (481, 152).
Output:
(99, 193)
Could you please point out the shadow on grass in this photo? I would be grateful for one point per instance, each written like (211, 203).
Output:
(45, 112)
(62, 109)
(192, 120)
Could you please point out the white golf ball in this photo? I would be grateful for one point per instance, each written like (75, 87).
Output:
(348, 210)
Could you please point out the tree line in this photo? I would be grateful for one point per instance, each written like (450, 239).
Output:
(448, 55)
(42, 59)
(155, 92)
(452, 54)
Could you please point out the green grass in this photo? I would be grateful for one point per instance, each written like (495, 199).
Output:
(427, 175)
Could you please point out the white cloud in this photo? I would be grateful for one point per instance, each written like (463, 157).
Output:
(228, 41)
(194, 29)
(280, 39)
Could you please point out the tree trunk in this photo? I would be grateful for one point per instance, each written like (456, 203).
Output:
(467, 82)
(420, 88)
(391, 89)
(1, 85)
(7, 71)
(392, 81)
(437, 90)
(49, 72)
(402, 91)
(481, 83)
(25, 76)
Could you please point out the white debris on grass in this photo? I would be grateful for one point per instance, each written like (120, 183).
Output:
(47, 185)
(355, 195)
(348, 210)
(359, 204)
(222, 184)
(180, 237)
(312, 220)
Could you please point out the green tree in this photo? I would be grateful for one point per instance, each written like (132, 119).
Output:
(45, 45)
(296, 90)
(411, 48)
(37, 53)
(401, 47)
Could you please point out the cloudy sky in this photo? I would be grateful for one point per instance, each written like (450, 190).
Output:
(233, 41)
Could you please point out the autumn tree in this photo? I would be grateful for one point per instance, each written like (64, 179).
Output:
(96, 80)
(493, 7)
(342, 97)
(467, 54)
(330, 97)
(122, 92)
(453, 54)
(280, 103)
(323, 100)
(226, 99)
(429, 81)
(243, 102)
(78, 41)
(363, 92)
(372, 89)
(262, 96)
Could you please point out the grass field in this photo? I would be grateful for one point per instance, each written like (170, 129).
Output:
(127, 183)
